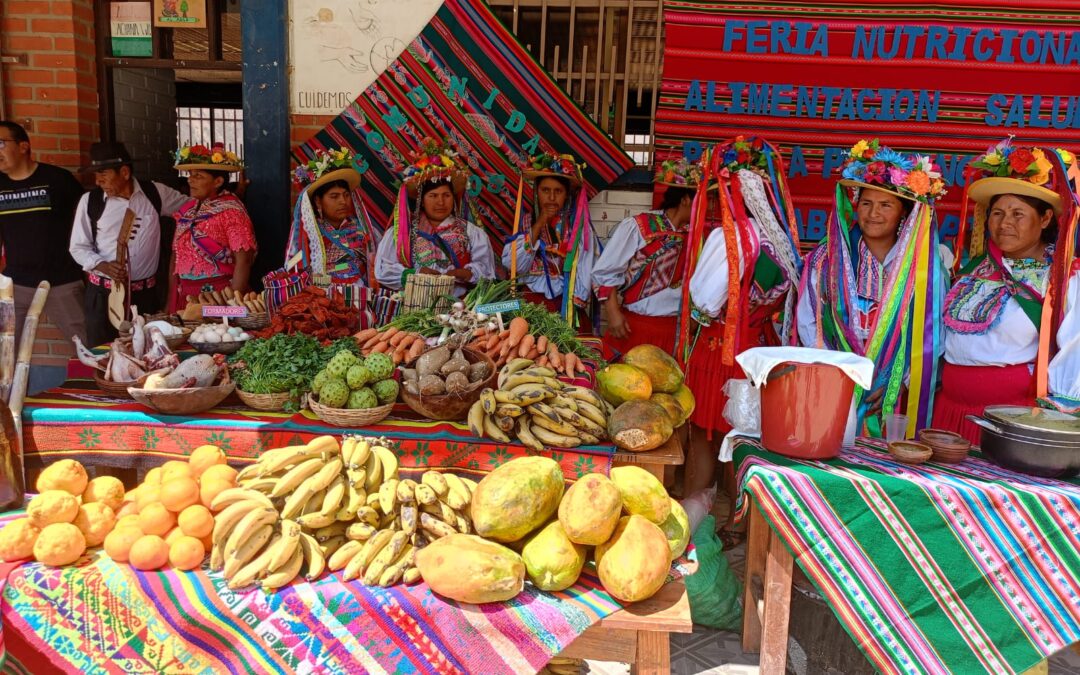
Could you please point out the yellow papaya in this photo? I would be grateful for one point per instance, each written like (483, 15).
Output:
(671, 407)
(685, 397)
(639, 426)
(661, 368)
(590, 510)
(676, 528)
(467, 568)
(642, 494)
(634, 563)
(516, 498)
(552, 561)
(620, 382)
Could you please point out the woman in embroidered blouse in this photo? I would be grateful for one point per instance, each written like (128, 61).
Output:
(638, 278)
(765, 251)
(994, 310)
(433, 240)
(214, 245)
(555, 243)
(852, 276)
(331, 231)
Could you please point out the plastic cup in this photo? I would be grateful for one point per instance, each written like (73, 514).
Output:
(896, 427)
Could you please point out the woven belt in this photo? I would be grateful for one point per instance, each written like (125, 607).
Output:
(106, 282)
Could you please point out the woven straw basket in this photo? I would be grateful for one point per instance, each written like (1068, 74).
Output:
(264, 402)
(341, 417)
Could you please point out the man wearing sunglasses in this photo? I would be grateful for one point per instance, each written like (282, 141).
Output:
(37, 208)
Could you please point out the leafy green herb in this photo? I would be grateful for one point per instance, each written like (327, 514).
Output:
(281, 363)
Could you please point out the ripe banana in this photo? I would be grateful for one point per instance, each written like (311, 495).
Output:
(520, 378)
(435, 527)
(374, 470)
(425, 495)
(388, 495)
(288, 542)
(457, 487)
(583, 394)
(397, 568)
(246, 549)
(406, 491)
(343, 555)
(238, 494)
(476, 418)
(330, 531)
(504, 396)
(385, 557)
(314, 505)
(564, 401)
(512, 366)
(487, 401)
(262, 485)
(505, 424)
(368, 515)
(333, 544)
(297, 475)
(360, 532)
(509, 410)
(525, 435)
(411, 576)
(389, 461)
(313, 554)
(284, 574)
(539, 371)
(317, 519)
(544, 410)
(435, 481)
(591, 412)
(325, 444)
(372, 547)
(288, 458)
(556, 426)
(409, 518)
(492, 430)
(335, 496)
(551, 438)
(226, 521)
(258, 566)
(360, 453)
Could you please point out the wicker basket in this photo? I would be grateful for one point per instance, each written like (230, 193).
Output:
(185, 401)
(120, 389)
(216, 347)
(252, 321)
(264, 402)
(342, 417)
(910, 452)
(427, 291)
(450, 407)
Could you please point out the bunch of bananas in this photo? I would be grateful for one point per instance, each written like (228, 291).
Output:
(292, 508)
(563, 665)
(539, 410)
(397, 521)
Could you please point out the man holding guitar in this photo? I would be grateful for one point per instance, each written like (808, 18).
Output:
(117, 240)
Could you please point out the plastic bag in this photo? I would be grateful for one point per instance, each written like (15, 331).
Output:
(714, 591)
(743, 408)
(698, 505)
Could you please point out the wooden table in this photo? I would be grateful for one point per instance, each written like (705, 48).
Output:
(767, 595)
(654, 461)
(638, 634)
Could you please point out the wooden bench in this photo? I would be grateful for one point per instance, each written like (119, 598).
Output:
(638, 634)
(767, 598)
(670, 454)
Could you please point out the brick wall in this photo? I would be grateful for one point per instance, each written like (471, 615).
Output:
(52, 91)
(145, 112)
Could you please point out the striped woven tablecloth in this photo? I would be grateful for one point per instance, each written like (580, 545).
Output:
(934, 568)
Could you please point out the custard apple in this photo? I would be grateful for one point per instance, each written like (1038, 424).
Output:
(340, 363)
(334, 393)
(386, 391)
(362, 398)
(357, 376)
(381, 366)
(319, 380)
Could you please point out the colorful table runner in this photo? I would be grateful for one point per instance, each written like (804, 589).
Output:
(931, 568)
(79, 420)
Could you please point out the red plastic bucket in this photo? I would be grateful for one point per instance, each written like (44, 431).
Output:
(804, 410)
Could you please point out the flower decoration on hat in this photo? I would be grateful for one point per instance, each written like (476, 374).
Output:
(1006, 160)
(198, 156)
(870, 164)
(549, 164)
(324, 163)
(679, 173)
(743, 153)
(434, 161)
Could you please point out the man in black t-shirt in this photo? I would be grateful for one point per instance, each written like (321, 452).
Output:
(37, 208)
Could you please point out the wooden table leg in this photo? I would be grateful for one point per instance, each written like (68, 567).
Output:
(656, 470)
(653, 654)
(774, 639)
(757, 547)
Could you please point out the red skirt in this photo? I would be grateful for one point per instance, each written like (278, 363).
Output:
(186, 287)
(644, 330)
(967, 390)
(706, 376)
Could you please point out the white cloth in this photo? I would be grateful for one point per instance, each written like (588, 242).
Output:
(1014, 339)
(709, 283)
(758, 362)
(610, 270)
(538, 283)
(388, 268)
(143, 249)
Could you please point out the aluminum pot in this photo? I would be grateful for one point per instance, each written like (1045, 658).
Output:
(1037, 423)
(1027, 454)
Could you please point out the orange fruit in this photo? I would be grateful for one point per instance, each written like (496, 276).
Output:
(196, 521)
(67, 475)
(174, 469)
(153, 476)
(106, 489)
(52, 506)
(179, 493)
(156, 519)
(210, 489)
(204, 457)
(118, 542)
(59, 544)
(173, 535)
(128, 520)
(219, 472)
(149, 552)
(127, 509)
(95, 521)
(186, 553)
(148, 494)
(207, 541)
(17, 539)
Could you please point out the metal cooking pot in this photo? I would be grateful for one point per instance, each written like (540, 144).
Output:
(1027, 454)
(1037, 423)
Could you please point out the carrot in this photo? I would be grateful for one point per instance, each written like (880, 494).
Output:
(480, 332)
(399, 354)
(519, 328)
(542, 344)
(505, 349)
(363, 335)
(570, 362)
(415, 350)
(405, 343)
(372, 341)
(398, 337)
(492, 341)
(381, 348)
(390, 332)
(554, 357)
(542, 361)
(527, 343)
(532, 353)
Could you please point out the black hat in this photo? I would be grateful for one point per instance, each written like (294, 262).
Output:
(107, 155)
